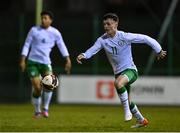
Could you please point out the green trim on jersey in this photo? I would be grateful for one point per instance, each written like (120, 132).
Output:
(34, 69)
(132, 76)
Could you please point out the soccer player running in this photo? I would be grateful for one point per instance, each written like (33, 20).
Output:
(117, 46)
(35, 58)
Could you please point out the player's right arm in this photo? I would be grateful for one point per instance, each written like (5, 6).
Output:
(25, 50)
(90, 52)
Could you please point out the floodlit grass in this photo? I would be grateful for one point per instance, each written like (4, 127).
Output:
(85, 118)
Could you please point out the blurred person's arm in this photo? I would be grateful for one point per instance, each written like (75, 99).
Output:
(22, 63)
(25, 50)
(68, 65)
(64, 51)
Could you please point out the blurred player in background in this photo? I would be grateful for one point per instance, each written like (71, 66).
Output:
(37, 47)
(117, 46)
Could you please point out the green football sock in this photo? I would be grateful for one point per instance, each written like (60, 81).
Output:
(135, 111)
(36, 100)
(121, 90)
(123, 95)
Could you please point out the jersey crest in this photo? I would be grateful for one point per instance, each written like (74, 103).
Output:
(121, 43)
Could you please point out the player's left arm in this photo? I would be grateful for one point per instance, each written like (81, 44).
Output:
(64, 51)
(140, 38)
(68, 65)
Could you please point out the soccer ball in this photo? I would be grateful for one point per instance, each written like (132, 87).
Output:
(50, 82)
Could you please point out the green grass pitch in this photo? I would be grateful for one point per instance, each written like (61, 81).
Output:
(85, 118)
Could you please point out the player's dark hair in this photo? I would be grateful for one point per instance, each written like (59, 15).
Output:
(49, 13)
(112, 16)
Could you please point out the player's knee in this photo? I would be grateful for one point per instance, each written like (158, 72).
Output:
(36, 90)
(118, 84)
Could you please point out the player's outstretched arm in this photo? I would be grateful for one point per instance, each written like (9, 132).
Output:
(162, 54)
(79, 58)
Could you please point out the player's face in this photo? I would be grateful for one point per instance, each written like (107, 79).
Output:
(45, 21)
(110, 26)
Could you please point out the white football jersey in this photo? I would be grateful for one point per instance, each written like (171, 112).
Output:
(39, 43)
(118, 49)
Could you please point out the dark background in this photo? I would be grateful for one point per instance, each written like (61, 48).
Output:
(79, 21)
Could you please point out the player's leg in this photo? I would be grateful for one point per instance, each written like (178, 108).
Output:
(120, 82)
(36, 95)
(47, 94)
(141, 121)
(133, 107)
(34, 75)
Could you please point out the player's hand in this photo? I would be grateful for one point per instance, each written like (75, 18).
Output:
(68, 65)
(79, 58)
(162, 54)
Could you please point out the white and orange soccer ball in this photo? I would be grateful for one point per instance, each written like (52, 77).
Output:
(50, 82)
